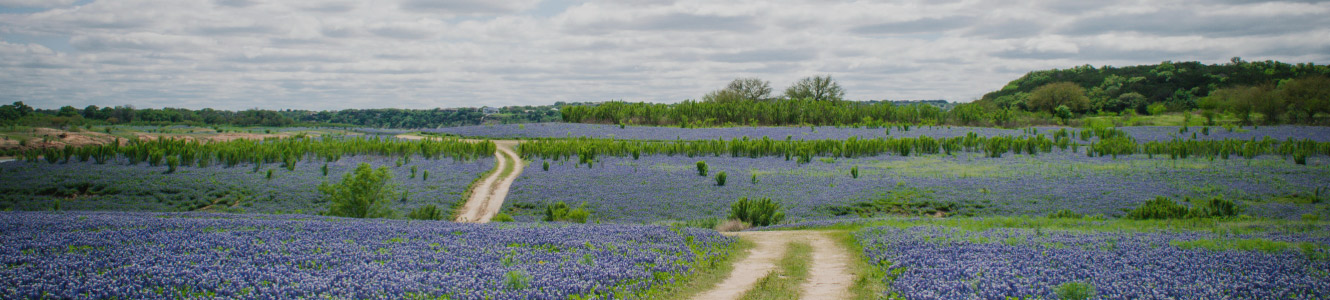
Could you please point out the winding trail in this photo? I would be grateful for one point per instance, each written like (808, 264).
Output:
(487, 197)
(828, 276)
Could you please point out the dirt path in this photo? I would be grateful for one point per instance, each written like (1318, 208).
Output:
(487, 197)
(828, 276)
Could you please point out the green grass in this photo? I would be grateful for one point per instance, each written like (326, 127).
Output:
(1239, 225)
(705, 276)
(1262, 245)
(868, 282)
(787, 280)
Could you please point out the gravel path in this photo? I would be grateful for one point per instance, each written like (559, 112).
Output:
(487, 198)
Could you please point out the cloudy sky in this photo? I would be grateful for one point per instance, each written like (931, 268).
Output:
(335, 54)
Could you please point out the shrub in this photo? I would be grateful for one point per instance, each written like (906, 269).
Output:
(702, 168)
(502, 217)
(363, 193)
(560, 212)
(1065, 214)
(325, 169)
(427, 212)
(1159, 208)
(413, 172)
(854, 172)
(172, 162)
(754, 179)
(269, 176)
(516, 280)
(424, 176)
(720, 178)
(760, 212)
(1075, 291)
(1216, 207)
(545, 166)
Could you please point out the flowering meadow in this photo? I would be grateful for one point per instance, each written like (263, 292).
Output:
(574, 130)
(100, 255)
(935, 262)
(660, 187)
(119, 186)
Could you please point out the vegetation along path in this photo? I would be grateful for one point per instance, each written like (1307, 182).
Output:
(828, 275)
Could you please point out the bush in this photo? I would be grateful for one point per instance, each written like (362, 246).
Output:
(1075, 291)
(1065, 214)
(1159, 208)
(702, 168)
(427, 212)
(720, 178)
(364, 193)
(854, 172)
(560, 212)
(502, 217)
(760, 212)
(172, 162)
(1216, 207)
(545, 166)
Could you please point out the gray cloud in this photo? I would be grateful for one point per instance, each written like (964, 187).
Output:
(924, 25)
(764, 55)
(1188, 22)
(239, 54)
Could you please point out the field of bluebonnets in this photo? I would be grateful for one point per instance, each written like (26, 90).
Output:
(660, 187)
(93, 255)
(821, 176)
(601, 131)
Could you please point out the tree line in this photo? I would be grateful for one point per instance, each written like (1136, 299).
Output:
(20, 113)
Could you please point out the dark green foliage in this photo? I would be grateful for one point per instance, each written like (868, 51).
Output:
(560, 212)
(760, 212)
(364, 193)
(1164, 208)
(413, 172)
(1215, 207)
(502, 217)
(854, 172)
(427, 212)
(1065, 214)
(1076, 291)
(720, 178)
(778, 112)
(424, 176)
(754, 179)
(172, 162)
(545, 165)
(702, 168)
(269, 176)
(1159, 208)
(324, 169)
(1177, 85)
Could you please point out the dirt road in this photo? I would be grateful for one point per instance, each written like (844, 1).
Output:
(487, 197)
(829, 274)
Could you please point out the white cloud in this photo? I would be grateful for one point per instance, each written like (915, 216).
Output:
(306, 54)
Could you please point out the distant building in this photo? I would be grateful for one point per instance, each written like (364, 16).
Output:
(489, 110)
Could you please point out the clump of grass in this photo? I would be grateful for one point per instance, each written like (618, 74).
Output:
(791, 271)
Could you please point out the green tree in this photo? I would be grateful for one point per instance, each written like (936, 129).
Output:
(751, 88)
(1050, 96)
(365, 193)
(1063, 112)
(723, 95)
(1306, 97)
(817, 88)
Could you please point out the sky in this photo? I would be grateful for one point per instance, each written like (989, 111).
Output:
(336, 54)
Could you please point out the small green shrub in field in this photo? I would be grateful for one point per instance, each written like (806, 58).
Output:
(760, 212)
(854, 172)
(1075, 291)
(720, 178)
(413, 172)
(325, 169)
(427, 212)
(1159, 208)
(545, 166)
(269, 176)
(754, 179)
(1065, 214)
(560, 212)
(363, 193)
(516, 280)
(502, 217)
(172, 162)
(702, 168)
(424, 176)
(1216, 207)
